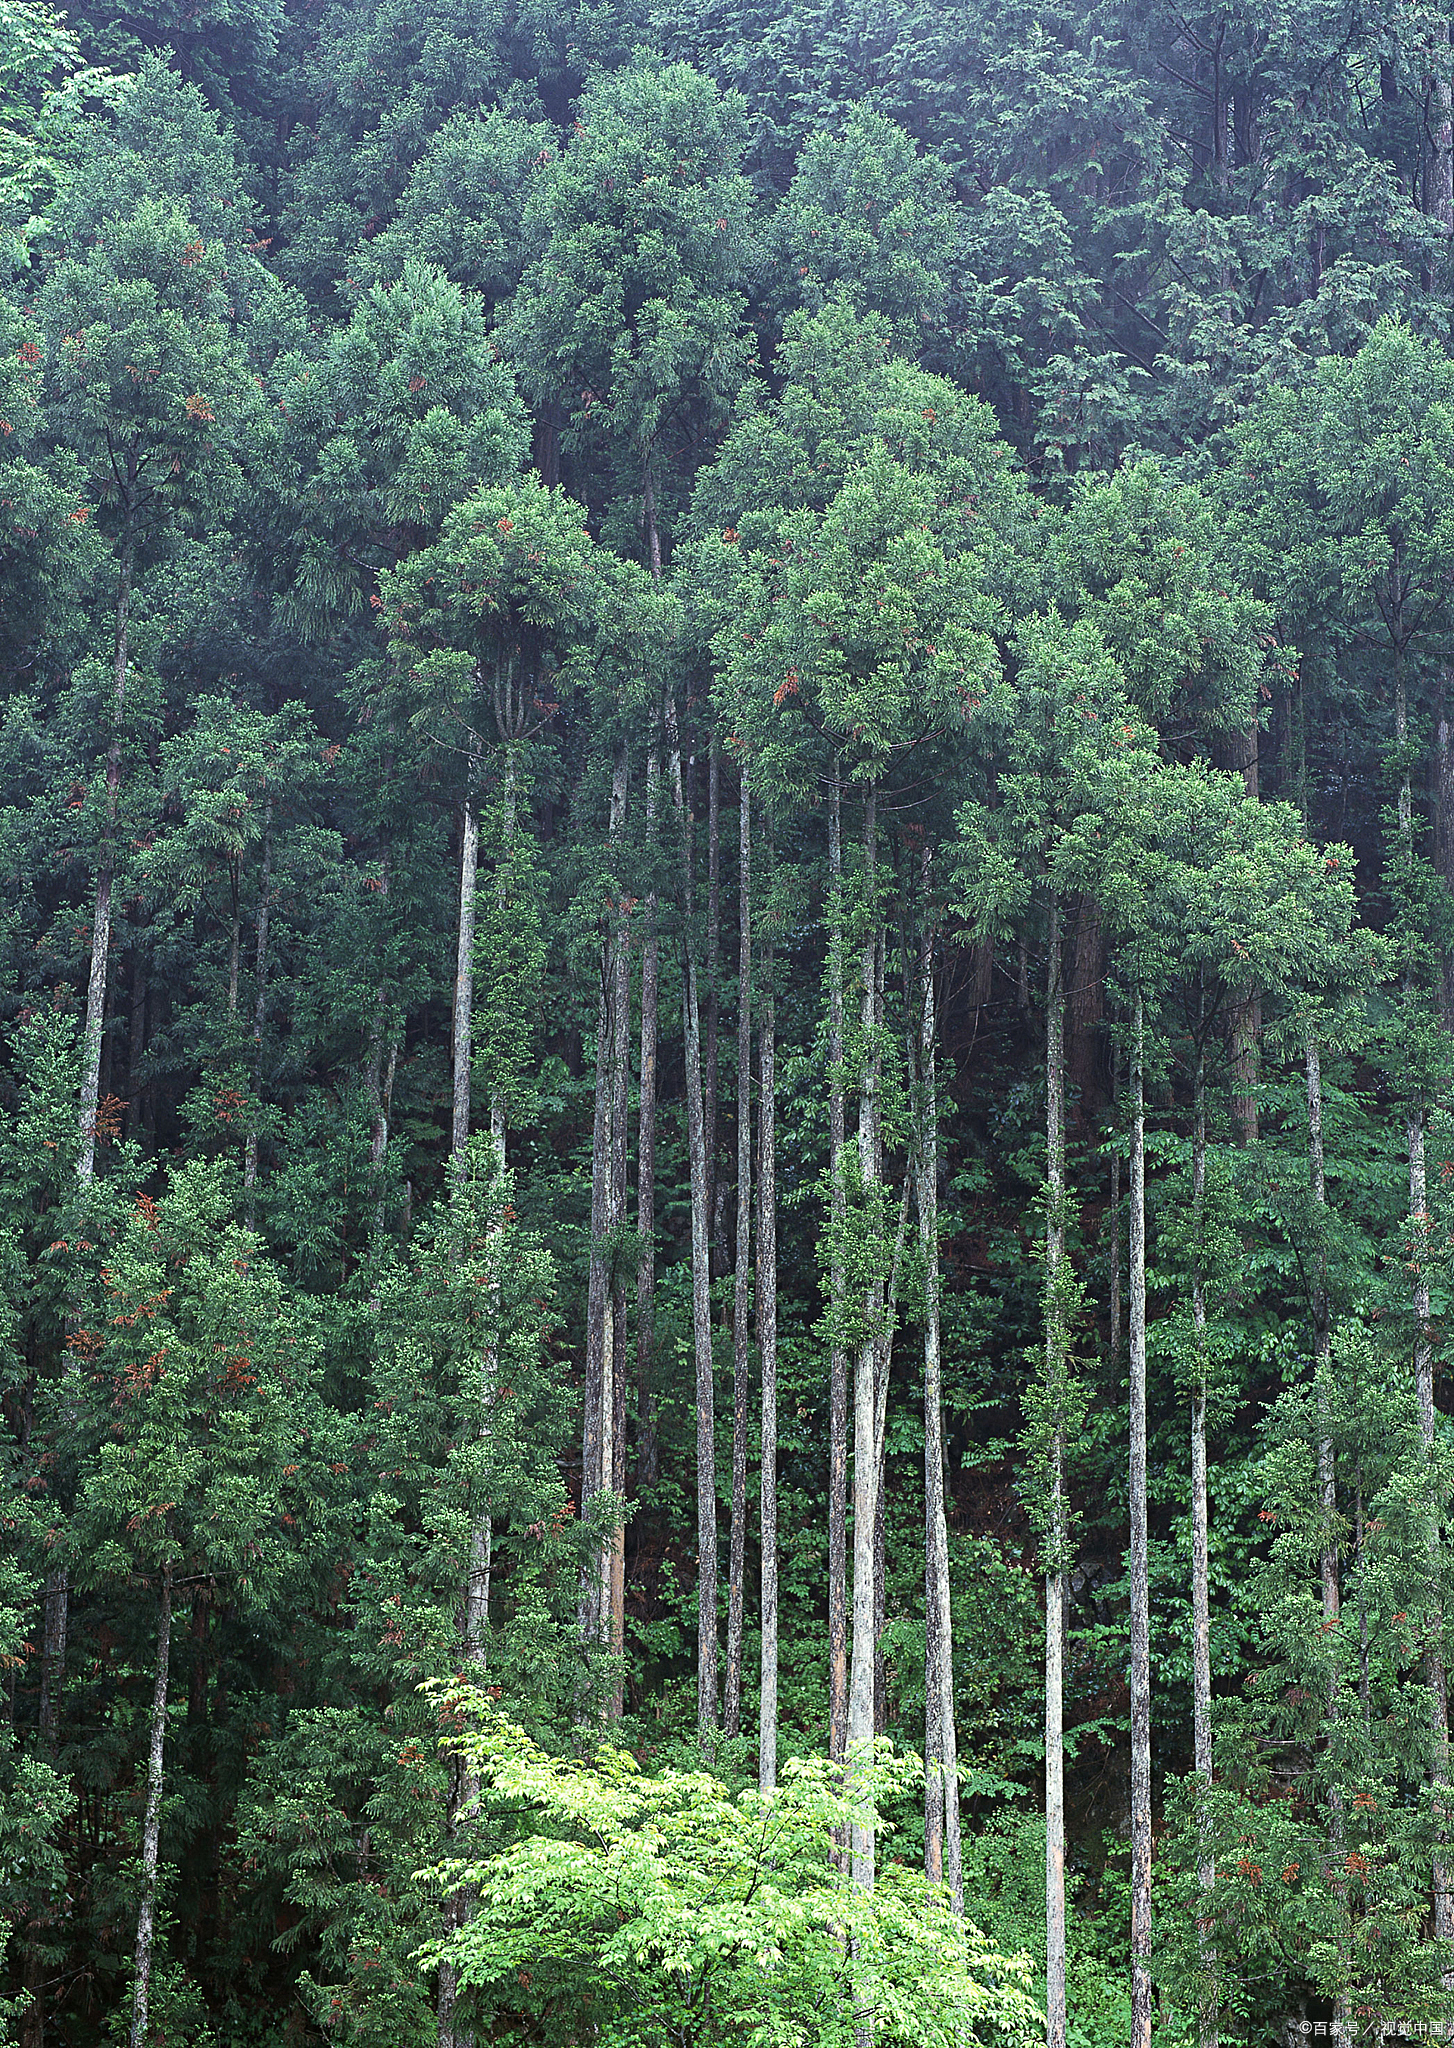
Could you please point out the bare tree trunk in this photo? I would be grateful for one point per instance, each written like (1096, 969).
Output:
(865, 1384)
(1444, 836)
(943, 1855)
(767, 1352)
(1200, 1572)
(648, 1465)
(1057, 1339)
(259, 1012)
(1322, 1331)
(613, 1463)
(1437, 1675)
(596, 1461)
(838, 1365)
(105, 875)
(713, 975)
(234, 947)
(741, 1304)
(1424, 1366)
(55, 1613)
(464, 970)
(701, 1290)
(58, 1584)
(1140, 1578)
(152, 1822)
(1245, 1010)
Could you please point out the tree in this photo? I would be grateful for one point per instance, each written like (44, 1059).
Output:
(733, 1918)
(189, 1339)
(628, 329)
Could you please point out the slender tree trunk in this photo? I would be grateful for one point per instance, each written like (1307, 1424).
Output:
(865, 1383)
(58, 1584)
(259, 1012)
(152, 1822)
(1444, 837)
(234, 946)
(596, 1461)
(767, 1353)
(647, 1456)
(701, 1289)
(943, 1854)
(55, 1613)
(1437, 1675)
(742, 1294)
(1201, 1605)
(105, 875)
(1140, 1579)
(837, 1285)
(614, 1452)
(1245, 1010)
(1424, 1352)
(713, 974)
(383, 1045)
(1322, 1331)
(464, 970)
(1057, 1345)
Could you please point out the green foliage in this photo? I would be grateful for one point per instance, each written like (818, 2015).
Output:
(650, 1904)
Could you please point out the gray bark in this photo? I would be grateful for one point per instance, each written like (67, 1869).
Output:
(865, 1391)
(701, 1289)
(464, 971)
(838, 1363)
(713, 977)
(648, 1458)
(152, 1820)
(767, 1352)
(943, 1855)
(1322, 1330)
(1141, 2002)
(259, 1009)
(1056, 1358)
(105, 875)
(1200, 1573)
(596, 1464)
(613, 1455)
(742, 1289)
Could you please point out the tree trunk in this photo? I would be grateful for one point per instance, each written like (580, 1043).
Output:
(464, 971)
(713, 973)
(837, 1285)
(767, 1353)
(1201, 1607)
(1437, 1675)
(741, 1303)
(701, 1289)
(596, 1462)
(1057, 1348)
(613, 1464)
(1424, 1349)
(1322, 1331)
(1444, 835)
(259, 1014)
(105, 875)
(943, 1857)
(1245, 1010)
(152, 1823)
(865, 1384)
(1140, 1579)
(648, 1465)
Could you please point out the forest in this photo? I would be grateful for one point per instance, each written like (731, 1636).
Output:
(726, 986)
